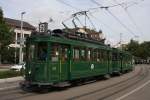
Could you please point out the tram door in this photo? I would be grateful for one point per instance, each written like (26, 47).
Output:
(64, 62)
(109, 55)
(54, 62)
(59, 62)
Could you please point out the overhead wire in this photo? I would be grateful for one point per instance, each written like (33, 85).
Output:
(101, 6)
(116, 18)
(107, 26)
(62, 1)
(120, 22)
(130, 17)
(79, 21)
(91, 22)
(76, 16)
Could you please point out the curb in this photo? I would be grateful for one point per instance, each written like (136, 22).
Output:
(13, 79)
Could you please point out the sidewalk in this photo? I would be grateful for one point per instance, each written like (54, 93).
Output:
(5, 66)
(13, 79)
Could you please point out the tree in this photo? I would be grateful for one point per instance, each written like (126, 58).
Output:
(6, 35)
(139, 50)
(132, 47)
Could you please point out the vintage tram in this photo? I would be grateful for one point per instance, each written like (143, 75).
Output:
(59, 58)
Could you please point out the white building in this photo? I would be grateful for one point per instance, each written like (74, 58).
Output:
(16, 26)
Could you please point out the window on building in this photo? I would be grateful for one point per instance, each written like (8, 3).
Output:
(26, 35)
(18, 38)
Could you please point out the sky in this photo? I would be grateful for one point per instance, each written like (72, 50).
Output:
(133, 17)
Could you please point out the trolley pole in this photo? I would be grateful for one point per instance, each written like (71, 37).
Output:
(21, 40)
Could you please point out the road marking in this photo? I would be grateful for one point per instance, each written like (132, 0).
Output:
(131, 92)
(5, 88)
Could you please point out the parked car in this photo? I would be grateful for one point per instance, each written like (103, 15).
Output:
(18, 67)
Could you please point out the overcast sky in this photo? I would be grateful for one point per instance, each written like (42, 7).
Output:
(137, 12)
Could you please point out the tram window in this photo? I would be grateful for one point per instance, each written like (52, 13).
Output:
(42, 51)
(114, 56)
(54, 53)
(103, 55)
(99, 55)
(83, 56)
(76, 54)
(96, 55)
(110, 55)
(64, 54)
(89, 55)
(30, 52)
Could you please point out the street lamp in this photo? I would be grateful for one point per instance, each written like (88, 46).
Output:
(21, 40)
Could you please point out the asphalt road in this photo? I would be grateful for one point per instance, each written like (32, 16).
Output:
(134, 85)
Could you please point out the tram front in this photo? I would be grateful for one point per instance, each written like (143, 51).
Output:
(36, 62)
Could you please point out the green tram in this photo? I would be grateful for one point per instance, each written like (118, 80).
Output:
(55, 59)
(121, 61)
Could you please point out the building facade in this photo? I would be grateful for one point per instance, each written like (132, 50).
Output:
(15, 25)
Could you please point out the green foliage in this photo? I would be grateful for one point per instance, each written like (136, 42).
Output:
(9, 55)
(139, 50)
(6, 35)
(9, 73)
(1, 15)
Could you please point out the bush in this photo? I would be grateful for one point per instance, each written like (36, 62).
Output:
(9, 73)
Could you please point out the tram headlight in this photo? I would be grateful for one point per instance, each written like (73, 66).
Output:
(29, 72)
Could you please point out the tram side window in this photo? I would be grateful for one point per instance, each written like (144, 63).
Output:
(96, 55)
(114, 57)
(89, 55)
(64, 54)
(42, 51)
(83, 55)
(110, 55)
(54, 54)
(102, 55)
(30, 51)
(120, 56)
(76, 54)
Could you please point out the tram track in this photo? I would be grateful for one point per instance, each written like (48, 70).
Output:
(123, 87)
(17, 93)
(118, 87)
(13, 94)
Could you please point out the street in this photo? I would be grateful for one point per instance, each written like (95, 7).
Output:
(131, 86)
(74, 50)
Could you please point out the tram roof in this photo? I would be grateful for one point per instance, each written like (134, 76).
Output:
(68, 41)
